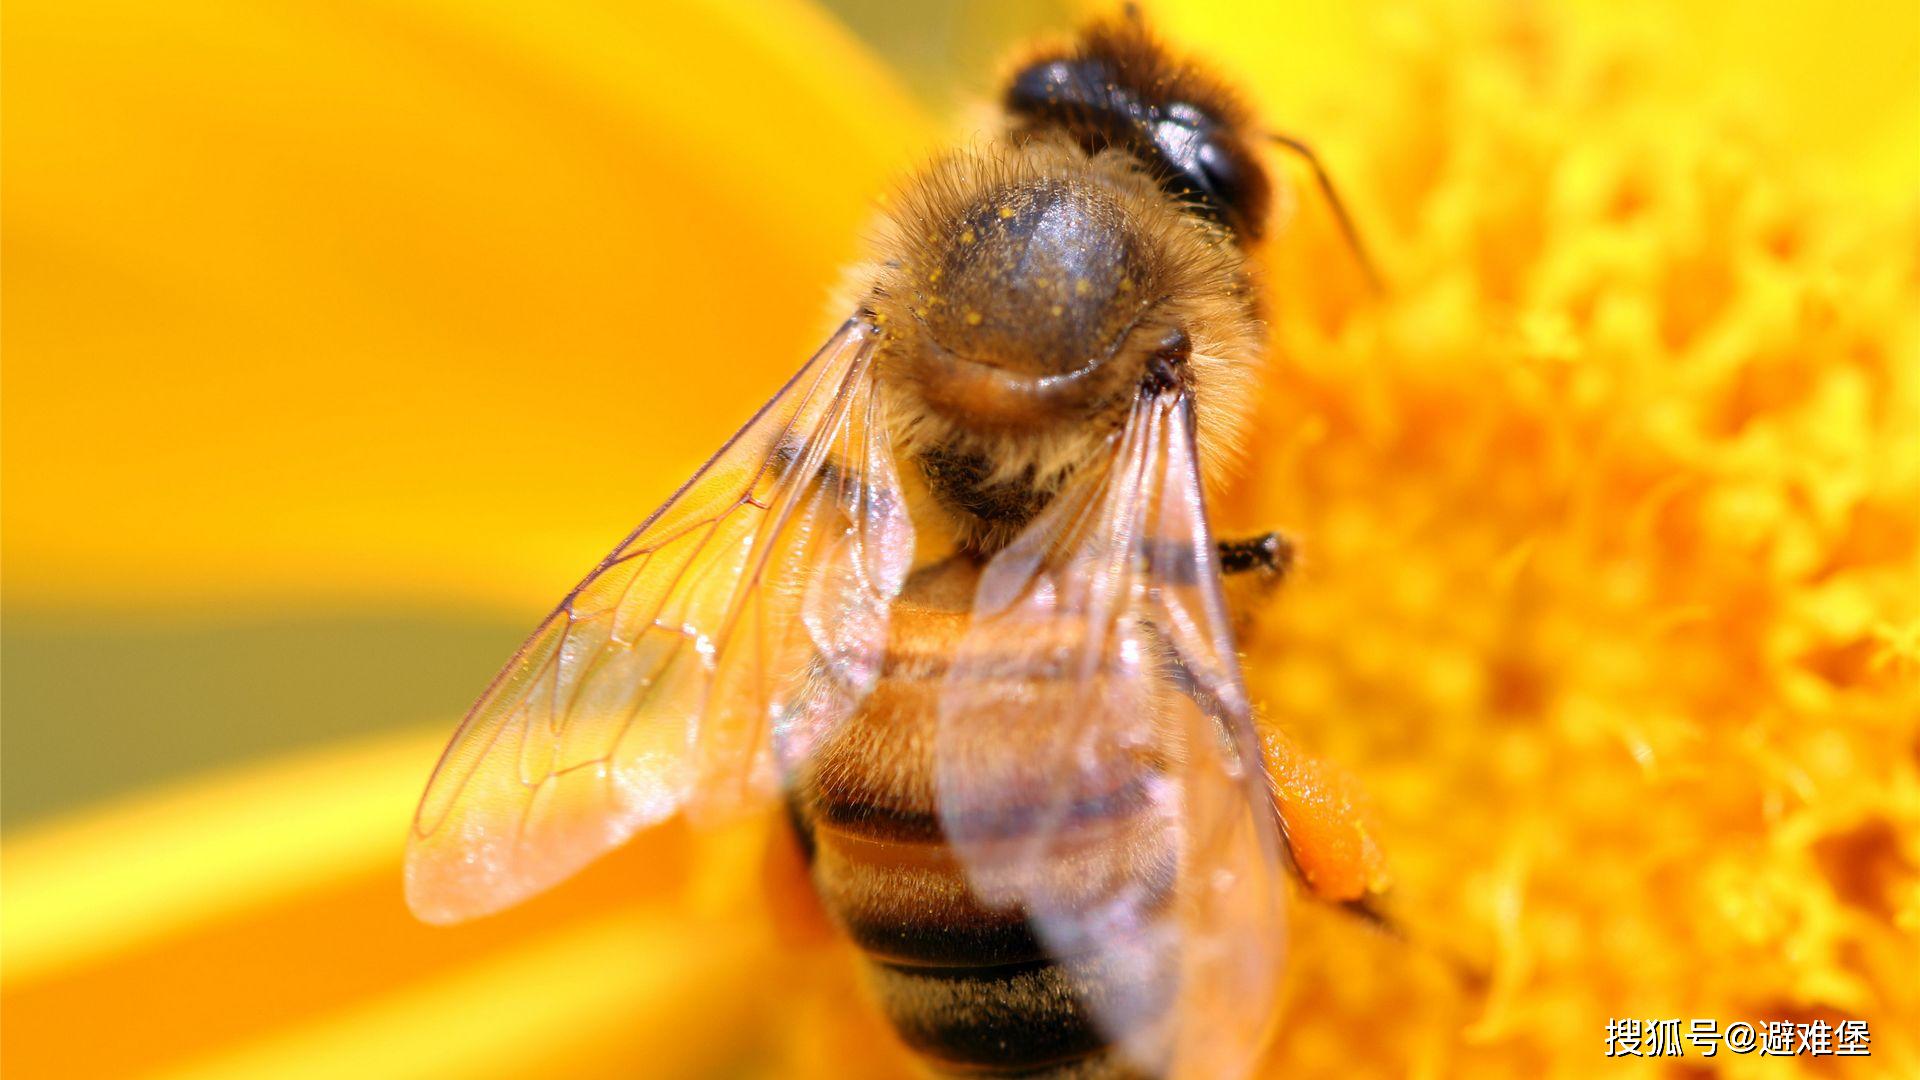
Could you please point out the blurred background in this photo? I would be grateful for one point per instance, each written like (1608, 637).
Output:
(340, 339)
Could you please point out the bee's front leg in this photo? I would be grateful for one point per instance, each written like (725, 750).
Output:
(1250, 569)
(1268, 556)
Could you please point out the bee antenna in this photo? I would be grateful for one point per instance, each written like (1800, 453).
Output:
(1340, 214)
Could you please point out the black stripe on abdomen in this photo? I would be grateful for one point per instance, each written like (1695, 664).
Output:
(1034, 1019)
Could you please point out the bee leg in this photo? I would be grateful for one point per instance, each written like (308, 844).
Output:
(1330, 845)
(1324, 819)
(1270, 555)
(1250, 569)
(1322, 811)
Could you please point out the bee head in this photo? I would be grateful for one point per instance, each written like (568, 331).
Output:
(1116, 86)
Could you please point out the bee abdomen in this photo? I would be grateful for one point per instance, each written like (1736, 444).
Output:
(971, 986)
(913, 906)
(1035, 1019)
(876, 774)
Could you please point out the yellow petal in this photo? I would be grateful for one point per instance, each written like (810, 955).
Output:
(252, 924)
(322, 302)
(204, 849)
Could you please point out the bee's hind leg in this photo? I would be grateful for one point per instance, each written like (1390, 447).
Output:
(1326, 824)
(1323, 815)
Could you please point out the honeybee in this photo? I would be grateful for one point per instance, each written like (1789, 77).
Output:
(952, 597)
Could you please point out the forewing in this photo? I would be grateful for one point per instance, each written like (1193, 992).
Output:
(1097, 763)
(655, 686)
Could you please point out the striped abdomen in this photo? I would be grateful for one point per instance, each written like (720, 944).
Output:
(967, 985)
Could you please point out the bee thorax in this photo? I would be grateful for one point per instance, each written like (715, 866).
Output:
(1039, 278)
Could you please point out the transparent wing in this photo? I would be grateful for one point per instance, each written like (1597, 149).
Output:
(1097, 765)
(664, 681)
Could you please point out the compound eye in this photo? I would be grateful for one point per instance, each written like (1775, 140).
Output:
(1213, 168)
(1044, 88)
(1236, 184)
(1185, 147)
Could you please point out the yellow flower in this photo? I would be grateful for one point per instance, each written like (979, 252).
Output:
(1610, 510)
